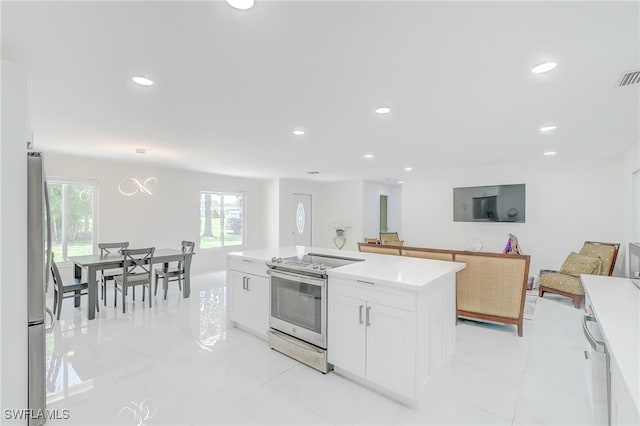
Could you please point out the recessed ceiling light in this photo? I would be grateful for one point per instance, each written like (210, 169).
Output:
(140, 151)
(548, 129)
(408, 169)
(544, 67)
(383, 110)
(313, 172)
(400, 182)
(241, 4)
(550, 153)
(368, 156)
(298, 132)
(142, 81)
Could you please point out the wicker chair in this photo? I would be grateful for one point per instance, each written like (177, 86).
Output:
(594, 258)
(390, 239)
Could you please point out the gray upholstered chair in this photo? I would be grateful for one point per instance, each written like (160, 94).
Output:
(174, 273)
(62, 290)
(107, 249)
(594, 258)
(136, 270)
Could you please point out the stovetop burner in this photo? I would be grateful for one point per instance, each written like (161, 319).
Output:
(313, 263)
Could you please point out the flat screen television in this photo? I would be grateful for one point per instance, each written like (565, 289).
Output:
(495, 203)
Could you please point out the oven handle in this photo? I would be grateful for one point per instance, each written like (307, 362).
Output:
(597, 345)
(317, 281)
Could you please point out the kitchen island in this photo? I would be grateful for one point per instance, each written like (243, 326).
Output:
(390, 320)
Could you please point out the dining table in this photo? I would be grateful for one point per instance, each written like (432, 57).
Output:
(96, 262)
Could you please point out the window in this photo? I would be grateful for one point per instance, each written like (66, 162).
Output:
(73, 217)
(221, 219)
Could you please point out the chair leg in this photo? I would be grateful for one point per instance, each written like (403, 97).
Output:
(115, 294)
(149, 287)
(124, 303)
(55, 301)
(76, 299)
(577, 301)
(540, 291)
(165, 286)
(155, 291)
(180, 284)
(134, 292)
(144, 292)
(59, 305)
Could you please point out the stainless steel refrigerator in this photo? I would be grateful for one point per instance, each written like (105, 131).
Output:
(38, 261)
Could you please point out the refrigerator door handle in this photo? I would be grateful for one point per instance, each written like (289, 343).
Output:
(49, 329)
(47, 212)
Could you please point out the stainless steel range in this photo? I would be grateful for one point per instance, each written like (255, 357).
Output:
(298, 321)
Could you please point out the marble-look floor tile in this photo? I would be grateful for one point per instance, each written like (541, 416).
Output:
(178, 363)
(329, 395)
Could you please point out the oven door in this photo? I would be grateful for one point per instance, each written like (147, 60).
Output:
(299, 306)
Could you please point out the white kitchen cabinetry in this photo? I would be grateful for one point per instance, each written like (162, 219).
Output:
(393, 339)
(623, 409)
(249, 295)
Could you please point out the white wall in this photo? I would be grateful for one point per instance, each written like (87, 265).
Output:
(172, 213)
(371, 208)
(341, 202)
(13, 238)
(567, 203)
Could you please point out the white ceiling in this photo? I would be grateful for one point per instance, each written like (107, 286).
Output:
(231, 86)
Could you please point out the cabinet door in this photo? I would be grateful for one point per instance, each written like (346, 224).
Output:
(391, 349)
(346, 333)
(436, 347)
(239, 299)
(258, 290)
(623, 409)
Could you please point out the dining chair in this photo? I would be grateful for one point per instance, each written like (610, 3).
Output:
(62, 290)
(108, 274)
(136, 270)
(176, 273)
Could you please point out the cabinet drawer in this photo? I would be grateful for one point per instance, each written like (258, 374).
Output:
(372, 292)
(249, 266)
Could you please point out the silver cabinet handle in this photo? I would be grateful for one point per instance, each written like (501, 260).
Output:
(368, 316)
(366, 282)
(247, 260)
(360, 309)
(244, 283)
(248, 289)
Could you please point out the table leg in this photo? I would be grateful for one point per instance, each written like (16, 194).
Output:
(77, 273)
(186, 286)
(165, 281)
(93, 294)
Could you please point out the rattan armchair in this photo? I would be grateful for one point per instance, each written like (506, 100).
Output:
(390, 239)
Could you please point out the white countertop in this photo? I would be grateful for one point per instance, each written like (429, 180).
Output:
(396, 271)
(616, 304)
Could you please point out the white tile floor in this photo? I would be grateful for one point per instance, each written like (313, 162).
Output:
(177, 363)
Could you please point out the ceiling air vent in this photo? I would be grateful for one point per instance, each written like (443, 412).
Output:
(631, 77)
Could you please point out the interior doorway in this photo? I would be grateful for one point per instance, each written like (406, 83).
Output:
(383, 214)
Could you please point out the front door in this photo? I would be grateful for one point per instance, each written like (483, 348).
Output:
(301, 230)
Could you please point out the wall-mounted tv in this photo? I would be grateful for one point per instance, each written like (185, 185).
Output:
(496, 203)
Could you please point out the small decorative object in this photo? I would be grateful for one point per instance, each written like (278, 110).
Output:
(474, 244)
(512, 247)
(339, 240)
